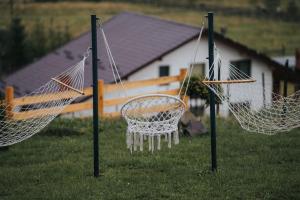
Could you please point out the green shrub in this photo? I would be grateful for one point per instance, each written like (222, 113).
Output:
(197, 89)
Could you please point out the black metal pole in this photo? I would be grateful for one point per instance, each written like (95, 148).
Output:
(264, 88)
(219, 78)
(285, 92)
(285, 83)
(212, 95)
(95, 95)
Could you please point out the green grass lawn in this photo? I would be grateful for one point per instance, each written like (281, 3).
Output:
(265, 35)
(57, 164)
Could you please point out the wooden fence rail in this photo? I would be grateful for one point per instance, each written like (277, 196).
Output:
(11, 102)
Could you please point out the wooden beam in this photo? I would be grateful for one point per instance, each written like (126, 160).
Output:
(117, 101)
(9, 99)
(186, 101)
(101, 97)
(51, 111)
(142, 83)
(67, 86)
(229, 81)
(78, 107)
(182, 74)
(49, 97)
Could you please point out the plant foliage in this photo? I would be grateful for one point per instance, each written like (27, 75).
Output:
(197, 89)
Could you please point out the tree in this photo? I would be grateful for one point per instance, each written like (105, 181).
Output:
(272, 5)
(37, 43)
(4, 38)
(56, 37)
(66, 34)
(292, 10)
(13, 54)
(197, 89)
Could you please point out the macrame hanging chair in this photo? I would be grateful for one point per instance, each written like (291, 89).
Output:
(20, 122)
(151, 116)
(252, 102)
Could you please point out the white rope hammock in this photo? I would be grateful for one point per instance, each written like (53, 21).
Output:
(18, 123)
(153, 115)
(252, 103)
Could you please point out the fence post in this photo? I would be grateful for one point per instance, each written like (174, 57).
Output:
(101, 97)
(95, 61)
(182, 74)
(186, 101)
(9, 98)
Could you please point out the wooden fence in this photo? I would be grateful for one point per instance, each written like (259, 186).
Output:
(11, 102)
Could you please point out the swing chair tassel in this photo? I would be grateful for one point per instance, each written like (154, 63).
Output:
(141, 142)
(149, 141)
(176, 137)
(170, 140)
(129, 141)
(158, 142)
(135, 140)
(152, 143)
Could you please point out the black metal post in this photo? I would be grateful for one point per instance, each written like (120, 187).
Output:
(219, 78)
(95, 95)
(285, 83)
(264, 88)
(285, 93)
(212, 95)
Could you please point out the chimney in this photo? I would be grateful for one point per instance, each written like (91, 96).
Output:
(297, 59)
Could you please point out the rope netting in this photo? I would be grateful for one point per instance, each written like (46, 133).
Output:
(21, 121)
(252, 102)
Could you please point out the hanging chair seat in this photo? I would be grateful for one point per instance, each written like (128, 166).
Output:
(153, 114)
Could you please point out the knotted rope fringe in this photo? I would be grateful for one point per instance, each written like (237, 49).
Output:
(135, 141)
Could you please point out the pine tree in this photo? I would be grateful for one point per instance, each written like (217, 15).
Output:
(66, 34)
(3, 50)
(15, 55)
(272, 5)
(38, 40)
(292, 10)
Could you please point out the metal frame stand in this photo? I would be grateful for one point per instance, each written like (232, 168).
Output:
(210, 17)
(95, 95)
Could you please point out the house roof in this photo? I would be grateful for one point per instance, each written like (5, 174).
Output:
(283, 59)
(136, 40)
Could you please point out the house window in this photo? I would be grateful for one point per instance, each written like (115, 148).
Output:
(198, 69)
(243, 66)
(164, 70)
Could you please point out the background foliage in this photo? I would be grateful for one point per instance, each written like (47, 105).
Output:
(197, 89)
(19, 46)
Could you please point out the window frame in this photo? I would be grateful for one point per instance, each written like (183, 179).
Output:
(161, 67)
(237, 63)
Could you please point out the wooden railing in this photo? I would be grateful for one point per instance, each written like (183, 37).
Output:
(11, 102)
